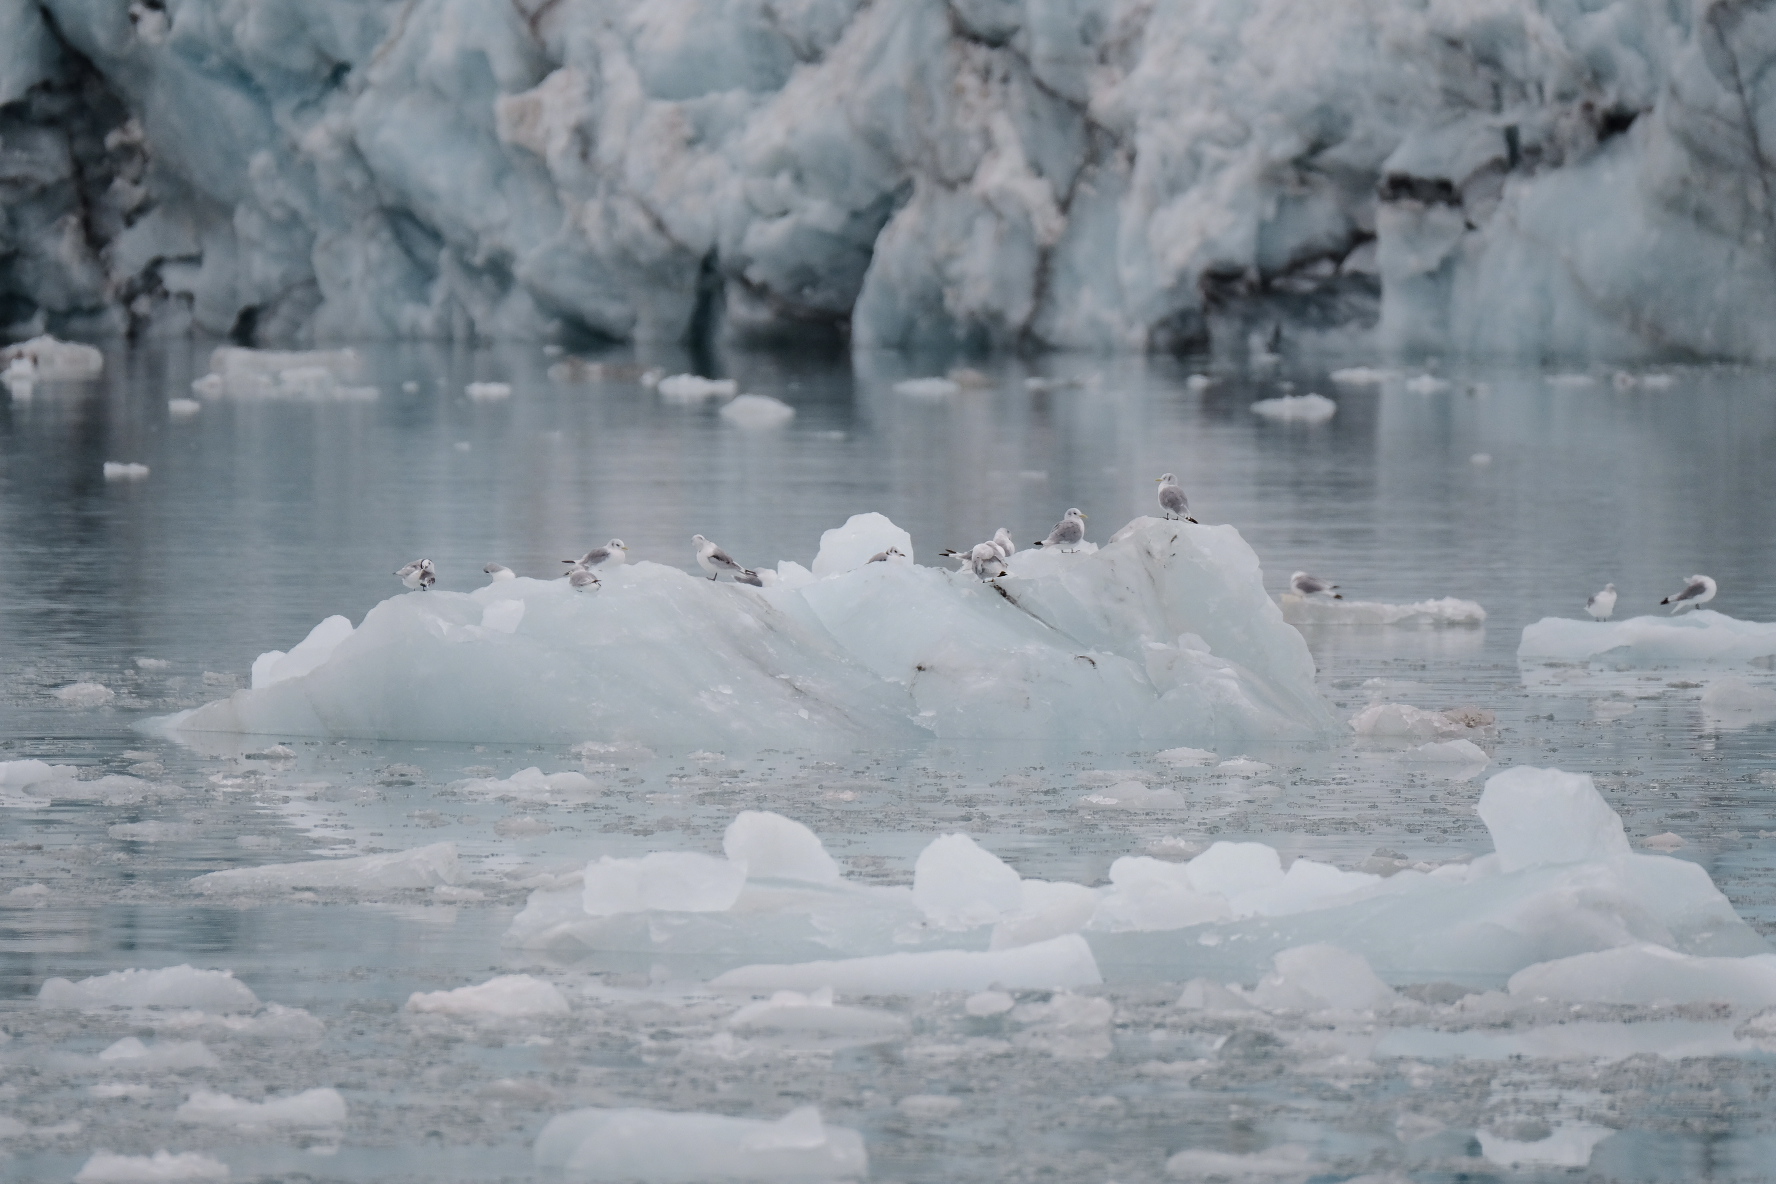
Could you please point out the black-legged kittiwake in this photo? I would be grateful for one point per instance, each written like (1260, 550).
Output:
(714, 560)
(419, 574)
(1303, 584)
(1699, 591)
(500, 571)
(1172, 502)
(613, 552)
(1601, 604)
(582, 579)
(1068, 533)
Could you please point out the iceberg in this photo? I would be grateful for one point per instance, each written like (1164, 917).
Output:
(1163, 635)
(1089, 175)
(1317, 610)
(1700, 638)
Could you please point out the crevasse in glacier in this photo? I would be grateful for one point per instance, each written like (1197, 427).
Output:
(1502, 176)
(1164, 634)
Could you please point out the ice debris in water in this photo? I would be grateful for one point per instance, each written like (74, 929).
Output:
(1400, 721)
(815, 1016)
(1163, 634)
(421, 867)
(131, 1055)
(1703, 637)
(179, 408)
(927, 388)
(487, 392)
(1297, 408)
(692, 387)
(1186, 757)
(47, 358)
(283, 374)
(124, 471)
(1362, 376)
(104, 1167)
(1313, 610)
(688, 1148)
(309, 1110)
(85, 694)
(508, 996)
(758, 411)
(530, 785)
(1732, 702)
(1286, 1163)
(175, 986)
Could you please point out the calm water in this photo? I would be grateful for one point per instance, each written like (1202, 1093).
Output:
(259, 518)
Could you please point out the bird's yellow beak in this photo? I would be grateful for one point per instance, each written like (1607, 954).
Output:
(1085, 515)
(1157, 480)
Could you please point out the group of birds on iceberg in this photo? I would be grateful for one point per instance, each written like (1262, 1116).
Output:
(1697, 591)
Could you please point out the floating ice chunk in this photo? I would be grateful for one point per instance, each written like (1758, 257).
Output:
(276, 1023)
(688, 1148)
(85, 694)
(1664, 842)
(510, 996)
(1284, 1164)
(959, 885)
(667, 881)
(1427, 384)
(531, 785)
(1134, 795)
(283, 374)
(1650, 974)
(161, 1056)
(420, 867)
(1187, 756)
(311, 1109)
(1148, 894)
(772, 847)
(1451, 752)
(1242, 766)
(487, 392)
(853, 545)
(1061, 962)
(982, 1004)
(1196, 384)
(1069, 1026)
(124, 471)
(815, 1014)
(179, 408)
(1399, 721)
(1322, 978)
(758, 411)
(691, 387)
(1699, 638)
(1361, 376)
(1318, 610)
(1297, 408)
(106, 1168)
(175, 986)
(277, 666)
(50, 359)
(1732, 702)
(1569, 1146)
(1540, 817)
(928, 1107)
(927, 388)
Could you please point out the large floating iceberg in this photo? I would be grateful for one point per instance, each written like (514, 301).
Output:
(1561, 886)
(1163, 635)
(1084, 175)
(1700, 638)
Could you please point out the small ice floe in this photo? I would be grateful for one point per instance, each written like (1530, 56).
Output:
(1402, 722)
(1361, 376)
(1243, 766)
(85, 694)
(1569, 1145)
(598, 1144)
(48, 359)
(1196, 384)
(814, 1019)
(124, 471)
(1732, 702)
(1308, 408)
(420, 867)
(314, 375)
(1319, 610)
(927, 388)
(180, 408)
(1664, 842)
(510, 996)
(1700, 638)
(758, 411)
(175, 986)
(1455, 759)
(487, 392)
(1134, 795)
(1187, 756)
(104, 1167)
(1287, 1163)
(529, 785)
(692, 388)
(312, 1109)
(1427, 384)
(131, 1055)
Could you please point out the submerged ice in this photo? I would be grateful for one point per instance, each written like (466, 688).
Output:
(1165, 634)
(1089, 174)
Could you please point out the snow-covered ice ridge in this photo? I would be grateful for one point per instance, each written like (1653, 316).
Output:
(1097, 173)
(1163, 635)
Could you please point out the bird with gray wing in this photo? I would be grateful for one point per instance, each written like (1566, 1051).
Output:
(499, 571)
(1172, 502)
(581, 579)
(419, 574)
(1698, 592)
(1303, 584)
(1601, 604)
(713, 560)
(1068, 533)
(613, 552)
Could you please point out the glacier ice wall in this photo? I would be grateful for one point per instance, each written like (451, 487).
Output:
(1507, 177)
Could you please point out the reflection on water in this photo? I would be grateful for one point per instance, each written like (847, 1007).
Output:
(260, 518)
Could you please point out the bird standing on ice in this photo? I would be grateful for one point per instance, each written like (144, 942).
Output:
(714, 560)
(582, 580)
(986, 561)
(1172, 502)
(1601, 604)
(1698, 592)
(613, 552)
(500, 571)
(1303, 584)
(885, 556)
(1068, 533)
(419, 574)
(1002, 540)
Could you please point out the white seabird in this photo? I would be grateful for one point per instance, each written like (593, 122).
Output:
(714, 560)
(419, 574)
(581, 579)
(1002, 540)
(986, 561)
(1068, 533)
(1303, 584)
(885, 556)
(613, 552)
(500, 571)
(1601, 604)
(1172, 502)
(1699, 591)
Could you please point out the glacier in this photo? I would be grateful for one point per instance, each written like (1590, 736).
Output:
(1164, 634)
(1500, 177)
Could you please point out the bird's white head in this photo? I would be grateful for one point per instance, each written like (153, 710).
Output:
(1167, 479)
(1075, 513)
(616, 545)
(698, 539)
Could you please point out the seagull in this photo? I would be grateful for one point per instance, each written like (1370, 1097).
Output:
(1069, 532)
(1303, 584)
(756, 579)
(1172, 501)
(986, 561)
(500, 571)
(612, 552)
(419, 574)
(1002, 540)
(1601, 604)
(884, 556)
(714, 560)
(1699, 591)
(582, 580)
